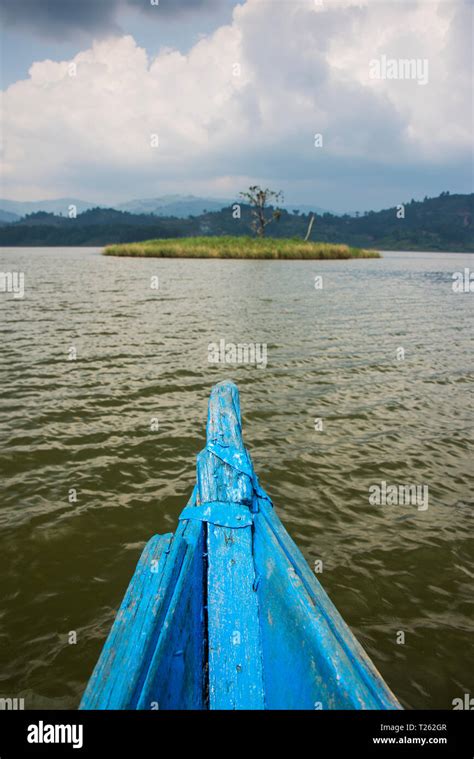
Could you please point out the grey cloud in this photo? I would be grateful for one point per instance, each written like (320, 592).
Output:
(69, 18)
(173, 7)
(59, 18)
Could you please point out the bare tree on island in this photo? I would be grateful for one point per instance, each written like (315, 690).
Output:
(259, 199)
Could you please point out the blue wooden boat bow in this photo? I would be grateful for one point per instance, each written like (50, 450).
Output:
(226, 613)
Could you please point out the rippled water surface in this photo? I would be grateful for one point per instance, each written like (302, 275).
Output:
(84, 424)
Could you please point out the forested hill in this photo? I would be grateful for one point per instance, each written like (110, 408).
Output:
(442, 223)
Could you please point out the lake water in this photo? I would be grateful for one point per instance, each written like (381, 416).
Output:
(142, 353)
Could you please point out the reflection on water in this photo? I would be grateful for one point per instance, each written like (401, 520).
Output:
(332, 354)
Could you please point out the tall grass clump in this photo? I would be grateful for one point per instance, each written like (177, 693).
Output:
(238, 247)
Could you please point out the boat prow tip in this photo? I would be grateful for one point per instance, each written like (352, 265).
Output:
(230, 615)
(229, 385)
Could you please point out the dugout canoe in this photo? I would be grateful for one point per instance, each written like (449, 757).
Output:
(225, 613)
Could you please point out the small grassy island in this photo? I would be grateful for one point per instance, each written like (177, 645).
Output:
(238, 247)
(263, 213)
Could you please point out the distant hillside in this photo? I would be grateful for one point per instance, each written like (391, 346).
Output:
(442, 223)
(59, 206)
(95, 227)
(188, 205)
(168, 205)
(173, 205)
(7, 218)
(180, 206)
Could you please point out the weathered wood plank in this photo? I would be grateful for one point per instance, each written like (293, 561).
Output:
(235, 659)
(119, 668)
(303, 632)
(154, 655)
(175, 675)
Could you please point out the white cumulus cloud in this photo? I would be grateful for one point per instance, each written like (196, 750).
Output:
(244, 102)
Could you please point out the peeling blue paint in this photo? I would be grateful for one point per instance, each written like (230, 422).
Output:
(226, 613)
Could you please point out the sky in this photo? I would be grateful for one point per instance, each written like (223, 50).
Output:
(109, 100)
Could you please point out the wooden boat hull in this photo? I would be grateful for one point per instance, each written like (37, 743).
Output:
(226, 613)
